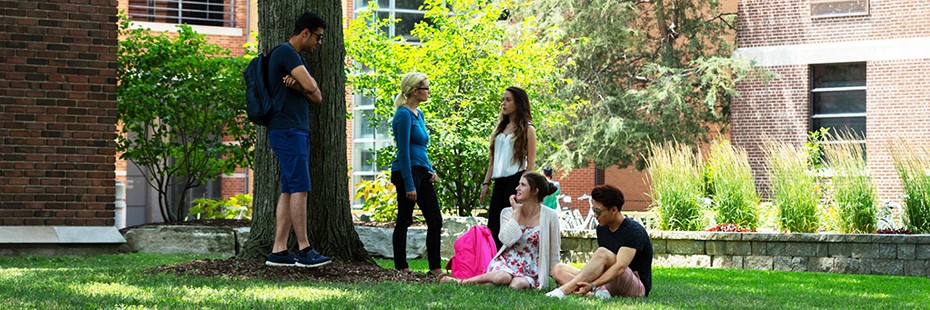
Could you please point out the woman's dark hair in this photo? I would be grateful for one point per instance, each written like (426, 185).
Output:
(608, 195)
(308, 21)
(522, 119)
(537, 181)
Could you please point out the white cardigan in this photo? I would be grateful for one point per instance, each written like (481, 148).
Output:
(548, 230)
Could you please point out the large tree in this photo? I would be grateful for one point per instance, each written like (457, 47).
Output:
(329, 218)
(640, 71)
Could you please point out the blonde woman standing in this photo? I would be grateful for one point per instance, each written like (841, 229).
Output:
(512, 152)
(412, 174)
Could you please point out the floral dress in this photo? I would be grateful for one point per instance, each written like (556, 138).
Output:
(522, 258)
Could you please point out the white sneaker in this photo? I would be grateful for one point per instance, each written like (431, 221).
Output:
(557, 293)
(602, 294)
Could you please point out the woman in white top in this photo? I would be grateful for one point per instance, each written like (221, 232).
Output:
(512, 152)
(531, 236)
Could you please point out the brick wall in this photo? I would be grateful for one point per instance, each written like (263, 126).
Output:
(785, 22)
(576, 183)
(898, 107)
(58, 112)
(634, 185)
(778, 108)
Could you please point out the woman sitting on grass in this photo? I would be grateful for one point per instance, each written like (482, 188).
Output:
(531, 238)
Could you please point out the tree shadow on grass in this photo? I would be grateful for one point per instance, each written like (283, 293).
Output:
(122, 281)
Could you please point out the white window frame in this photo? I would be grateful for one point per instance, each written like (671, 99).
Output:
(156, 11)
(357, 173)
(392, 11)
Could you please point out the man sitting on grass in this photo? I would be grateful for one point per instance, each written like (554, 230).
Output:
(622, 264)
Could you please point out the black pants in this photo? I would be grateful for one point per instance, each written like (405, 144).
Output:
(429, 205)
(500, 199)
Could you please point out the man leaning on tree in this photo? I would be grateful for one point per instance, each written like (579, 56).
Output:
(289, 135)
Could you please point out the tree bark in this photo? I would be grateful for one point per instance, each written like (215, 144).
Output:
(329, 222)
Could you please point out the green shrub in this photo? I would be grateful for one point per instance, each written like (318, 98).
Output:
(236, 207)
(913, 166)
(734, 195)
(852, 187)
(815, 146)
(677, 185)
(793, 185)
(380, 197)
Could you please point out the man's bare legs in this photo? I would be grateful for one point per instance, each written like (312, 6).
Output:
(600, 262)
(291, 212)
(299, 218)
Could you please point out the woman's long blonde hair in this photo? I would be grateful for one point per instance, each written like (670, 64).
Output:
(408, 84)
(522, 119)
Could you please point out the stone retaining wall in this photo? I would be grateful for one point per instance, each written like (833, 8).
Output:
(835, 253)
(228, 241)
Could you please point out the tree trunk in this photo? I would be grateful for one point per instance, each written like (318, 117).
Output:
(329, 220)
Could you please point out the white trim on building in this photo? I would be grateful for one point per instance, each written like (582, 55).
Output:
(838, 52)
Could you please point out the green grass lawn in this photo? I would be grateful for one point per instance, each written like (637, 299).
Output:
(117, 281)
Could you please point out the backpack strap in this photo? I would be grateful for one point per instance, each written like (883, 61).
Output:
(276, 94)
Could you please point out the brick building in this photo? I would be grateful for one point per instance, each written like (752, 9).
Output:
(860, 65)
(57, 125)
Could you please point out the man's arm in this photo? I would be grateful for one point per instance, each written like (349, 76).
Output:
(306, 84)
(624, 257)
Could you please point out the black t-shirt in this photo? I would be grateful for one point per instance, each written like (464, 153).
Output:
(295, 112)
(632, 235)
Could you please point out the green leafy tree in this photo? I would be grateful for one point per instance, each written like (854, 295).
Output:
(379, 196)
(640, 71)
(470, 58)
(178, 96)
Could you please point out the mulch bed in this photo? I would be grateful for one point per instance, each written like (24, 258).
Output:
(250, 269)
(891, 231)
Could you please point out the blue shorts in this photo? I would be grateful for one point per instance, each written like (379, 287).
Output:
(292, 147)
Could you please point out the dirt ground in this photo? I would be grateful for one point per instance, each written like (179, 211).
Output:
(246, 269)
(334, 272)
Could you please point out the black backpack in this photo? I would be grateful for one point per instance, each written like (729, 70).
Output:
(261, 102)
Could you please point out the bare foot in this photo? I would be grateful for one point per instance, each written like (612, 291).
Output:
(445, 278)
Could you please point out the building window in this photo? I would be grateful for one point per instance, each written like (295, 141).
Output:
(407, 13)
(838, 8)
(367, 138)
(838, 99)
(192, 12)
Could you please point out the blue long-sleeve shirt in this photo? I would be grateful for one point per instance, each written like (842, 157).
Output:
(411, 139)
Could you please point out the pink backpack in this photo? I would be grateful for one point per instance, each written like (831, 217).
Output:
(473, 251)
